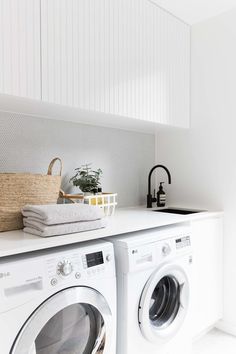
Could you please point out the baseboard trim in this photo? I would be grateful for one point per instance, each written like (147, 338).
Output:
(226, 327)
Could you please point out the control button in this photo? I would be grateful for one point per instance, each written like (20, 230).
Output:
(64, 268)
(54, 281)
(78, 275)
(108, 258)
(166, 250)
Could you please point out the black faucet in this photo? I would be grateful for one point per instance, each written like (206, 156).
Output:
(150, 199)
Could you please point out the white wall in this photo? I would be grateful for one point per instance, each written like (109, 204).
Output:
(203, 160)
(27, 144)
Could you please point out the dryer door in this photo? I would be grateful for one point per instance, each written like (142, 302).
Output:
(75, 320)
(164, 303)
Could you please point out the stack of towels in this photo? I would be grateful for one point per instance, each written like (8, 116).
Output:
(61, 219)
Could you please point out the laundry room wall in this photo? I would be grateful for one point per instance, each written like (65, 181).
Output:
(27, 144)
(202, 159)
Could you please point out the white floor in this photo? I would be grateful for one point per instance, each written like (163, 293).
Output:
(215, 342)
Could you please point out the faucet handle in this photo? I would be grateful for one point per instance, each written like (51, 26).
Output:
(154, 199)
(151, 199)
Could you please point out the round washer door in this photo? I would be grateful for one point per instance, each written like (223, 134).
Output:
(76, 320)
(164, 303)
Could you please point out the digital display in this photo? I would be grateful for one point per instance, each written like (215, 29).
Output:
(183, 242)
(94, 259)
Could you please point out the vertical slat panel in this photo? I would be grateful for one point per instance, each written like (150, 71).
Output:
(92, 55)
(116, 55)
(70, 50)
(97, 55)
(75, 53)
(7, 52)
(111, 47)
(15, 60)
(20, 48)
(57, 31)
(63, 7)
(44, 52)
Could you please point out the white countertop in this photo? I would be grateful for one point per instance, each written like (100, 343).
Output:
(125, 220)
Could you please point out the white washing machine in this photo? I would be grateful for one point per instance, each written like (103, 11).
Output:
(60, 301)
(154, 288)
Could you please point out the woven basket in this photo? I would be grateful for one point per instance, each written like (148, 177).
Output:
(19, 189)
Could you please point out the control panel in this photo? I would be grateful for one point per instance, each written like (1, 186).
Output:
(149, 248)
(25, 277)
(79, 265)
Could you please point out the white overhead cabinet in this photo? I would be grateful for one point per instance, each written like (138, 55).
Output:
(126, 58)
(123, 57)
(20, 48)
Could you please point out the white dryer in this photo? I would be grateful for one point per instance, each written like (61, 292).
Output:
(154, 289)
(59, 301)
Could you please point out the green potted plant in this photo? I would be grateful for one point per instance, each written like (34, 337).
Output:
(86, 179)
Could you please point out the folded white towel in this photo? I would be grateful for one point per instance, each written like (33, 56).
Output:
(63, 213)
(37, 228)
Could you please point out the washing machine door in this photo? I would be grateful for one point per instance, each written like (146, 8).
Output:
(75, 320)
(164, 303)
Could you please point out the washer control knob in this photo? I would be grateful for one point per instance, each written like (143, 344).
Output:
(108, 258)
(53, 281)
(166, 249)
(64, 268)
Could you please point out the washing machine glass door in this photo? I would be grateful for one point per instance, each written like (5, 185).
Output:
(164, 303)
(75, 320)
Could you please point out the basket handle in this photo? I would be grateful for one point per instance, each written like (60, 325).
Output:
(61, 193)
(50, 167)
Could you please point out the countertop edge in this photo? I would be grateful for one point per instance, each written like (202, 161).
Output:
(125, 220)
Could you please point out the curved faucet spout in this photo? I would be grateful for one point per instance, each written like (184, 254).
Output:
(149, 196)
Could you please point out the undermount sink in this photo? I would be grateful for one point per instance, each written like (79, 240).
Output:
(178, 211)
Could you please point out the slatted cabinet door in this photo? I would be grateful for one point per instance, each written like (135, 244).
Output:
(20, 56)
(124, 57)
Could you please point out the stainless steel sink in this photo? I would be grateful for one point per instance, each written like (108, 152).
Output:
(178, 211)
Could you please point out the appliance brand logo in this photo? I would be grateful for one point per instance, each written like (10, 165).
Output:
(4, 275)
